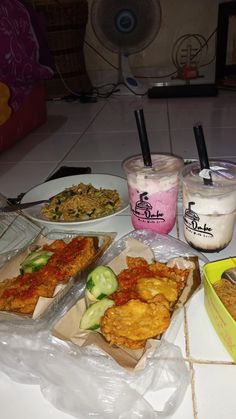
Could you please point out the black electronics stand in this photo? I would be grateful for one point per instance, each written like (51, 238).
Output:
(187, 90)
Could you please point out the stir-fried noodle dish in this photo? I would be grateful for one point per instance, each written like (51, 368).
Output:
(82, 202)
(227, 293)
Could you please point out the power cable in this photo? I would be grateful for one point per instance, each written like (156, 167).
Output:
(100, 55)
(115, 86)
(206, 41)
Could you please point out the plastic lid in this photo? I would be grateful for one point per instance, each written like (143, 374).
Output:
(162, 165)
(223, 174)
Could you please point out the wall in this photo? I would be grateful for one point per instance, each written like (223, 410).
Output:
(178, 18)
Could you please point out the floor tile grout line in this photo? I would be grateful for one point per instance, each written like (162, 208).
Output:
(193, 387)
(82, 133)
(207, 127)
(128, 130)
(193, 360)
(208, 362)
(187, 349)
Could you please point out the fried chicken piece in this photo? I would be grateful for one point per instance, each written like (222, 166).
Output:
(161, 270)
(23, 298)
(147, 288)
(136, 262)
(122, 296)
(128, 343)
(20, 294)
(55, 245)
(134, 322)
(129, 277)
(74, 257)
(159, 298)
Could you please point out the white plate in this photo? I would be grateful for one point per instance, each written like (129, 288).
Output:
(52, 187)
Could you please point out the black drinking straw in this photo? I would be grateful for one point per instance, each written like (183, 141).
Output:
(143, 138)
(202, 151)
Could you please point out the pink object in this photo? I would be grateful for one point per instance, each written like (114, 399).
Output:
(157, 213)
(32, 114)
(20, 68)
(153, 191)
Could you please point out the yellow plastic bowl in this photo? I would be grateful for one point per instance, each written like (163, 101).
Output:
(222, 321)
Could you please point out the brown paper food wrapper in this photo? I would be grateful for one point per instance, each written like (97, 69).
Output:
(68, 327)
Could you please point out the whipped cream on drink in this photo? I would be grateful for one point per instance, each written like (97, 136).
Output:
(153, 191)
(209, 210)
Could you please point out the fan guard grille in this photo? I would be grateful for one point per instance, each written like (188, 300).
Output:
(127, 25)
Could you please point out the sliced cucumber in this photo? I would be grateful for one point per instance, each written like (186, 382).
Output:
(92, 316)
(35, 261)
(101, 282)
(90, 297)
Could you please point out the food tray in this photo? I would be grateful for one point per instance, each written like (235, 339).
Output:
(222, 321)
(67, 371)
(164, 248)
(62, 298)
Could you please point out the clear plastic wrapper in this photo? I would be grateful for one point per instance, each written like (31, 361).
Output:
(48, 308)
(85, 381)
(16, 232)
(164, 247)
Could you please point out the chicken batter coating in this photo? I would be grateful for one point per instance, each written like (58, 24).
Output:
(147, 288)
(131, 324)
(21, 294)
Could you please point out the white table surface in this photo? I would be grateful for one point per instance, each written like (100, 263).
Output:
(109, 138)
(212, 368)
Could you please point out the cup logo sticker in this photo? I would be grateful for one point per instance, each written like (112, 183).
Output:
(192, 222)
(143, 209)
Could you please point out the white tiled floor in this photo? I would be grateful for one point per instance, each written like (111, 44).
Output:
(101, 135)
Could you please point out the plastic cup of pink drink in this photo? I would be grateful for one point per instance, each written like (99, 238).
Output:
(153, 191)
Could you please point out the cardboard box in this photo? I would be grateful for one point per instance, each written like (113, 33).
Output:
(221, 319)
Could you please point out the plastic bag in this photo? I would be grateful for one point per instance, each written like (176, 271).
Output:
(164, 247)
(84, 381)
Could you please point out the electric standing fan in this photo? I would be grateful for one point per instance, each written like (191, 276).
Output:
(126, 27)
